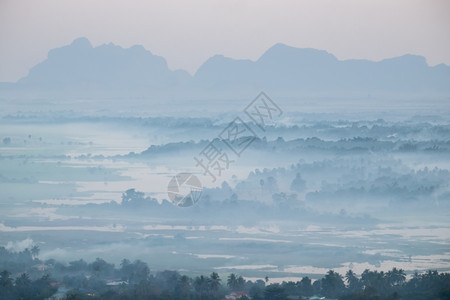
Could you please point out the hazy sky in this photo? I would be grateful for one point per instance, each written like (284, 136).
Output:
(187, 33)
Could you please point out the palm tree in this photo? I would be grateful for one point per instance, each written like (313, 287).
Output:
(240, 283)
(352, 281)
(183, 287)
(215, 282)
(332, 284)
(201, 286)
(23, 280)
(125, 262)
(139, 271)
(395, 277)
(306, 287)
(5, 280)
(374, 279)
(232, 281)
(35, 251)
(6, 285)
(23, 286)
(235, 283)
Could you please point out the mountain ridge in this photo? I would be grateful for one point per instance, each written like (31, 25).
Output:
(81, 67)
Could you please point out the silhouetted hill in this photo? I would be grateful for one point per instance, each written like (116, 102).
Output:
(285, 68)
(79, 65)
(110, 69)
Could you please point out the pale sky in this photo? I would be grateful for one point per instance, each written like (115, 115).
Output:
(186, 33)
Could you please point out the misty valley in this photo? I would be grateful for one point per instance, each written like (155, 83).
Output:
(224, 150)
(324, 187)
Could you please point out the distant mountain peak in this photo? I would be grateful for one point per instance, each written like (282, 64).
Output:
(283, 52)
(81, 42)
(285, 69)
(108, 66)
(410, 59)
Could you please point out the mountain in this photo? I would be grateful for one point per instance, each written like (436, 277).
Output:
(113, 70)
(284, 68)
(79, 65)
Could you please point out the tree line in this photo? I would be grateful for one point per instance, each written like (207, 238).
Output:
(133, 280)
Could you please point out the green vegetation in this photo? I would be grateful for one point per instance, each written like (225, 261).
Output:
(36, 279)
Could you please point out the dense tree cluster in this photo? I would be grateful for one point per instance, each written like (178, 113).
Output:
(133, 280)
(17, 261)
(25, 288)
